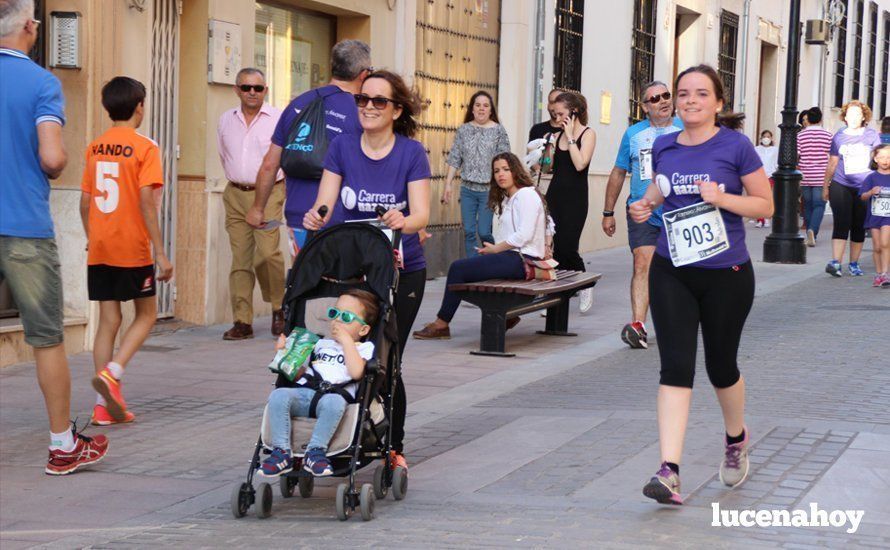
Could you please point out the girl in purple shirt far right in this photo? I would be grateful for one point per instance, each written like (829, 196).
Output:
(875, 193)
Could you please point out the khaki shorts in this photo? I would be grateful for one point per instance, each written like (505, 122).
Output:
(31, 268)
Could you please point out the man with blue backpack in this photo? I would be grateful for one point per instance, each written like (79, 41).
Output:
(304, 131)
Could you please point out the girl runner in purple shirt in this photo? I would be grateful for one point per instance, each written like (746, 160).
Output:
(384, 167)
(701, 274)
(848, 162)
(876, 194)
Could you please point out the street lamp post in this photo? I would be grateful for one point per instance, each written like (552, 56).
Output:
(785, 245)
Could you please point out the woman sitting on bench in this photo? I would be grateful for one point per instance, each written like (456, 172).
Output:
(522, 232)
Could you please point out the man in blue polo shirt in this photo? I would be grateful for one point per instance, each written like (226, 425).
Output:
(350, 64)
(31, 151)
(635, 155)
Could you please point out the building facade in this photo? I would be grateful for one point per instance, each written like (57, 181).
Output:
(187, 51)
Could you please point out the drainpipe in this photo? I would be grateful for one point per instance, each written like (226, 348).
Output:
(746, 16)
(539, 61)
(822, 60)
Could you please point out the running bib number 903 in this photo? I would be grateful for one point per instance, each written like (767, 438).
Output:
(880, 205)
(695, 233)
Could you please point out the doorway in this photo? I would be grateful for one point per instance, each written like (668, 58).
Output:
(767, 91)
(687, 50)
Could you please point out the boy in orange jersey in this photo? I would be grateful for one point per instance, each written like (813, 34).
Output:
(120, 217)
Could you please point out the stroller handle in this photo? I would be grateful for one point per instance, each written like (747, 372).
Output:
(379, 210)
(322, 211)
(396, 234)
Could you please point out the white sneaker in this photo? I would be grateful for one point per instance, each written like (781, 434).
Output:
(766, 223)
(811, 238)
(586, 296)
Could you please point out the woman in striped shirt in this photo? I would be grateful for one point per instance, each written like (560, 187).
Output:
(813, 145)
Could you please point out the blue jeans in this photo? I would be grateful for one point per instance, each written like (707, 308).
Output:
(287, 403)
(506, 265)
(813, 207)
(476, 218)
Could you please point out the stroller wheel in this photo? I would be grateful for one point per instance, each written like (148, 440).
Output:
(307, 484)
(399, 483)
(286, 485)
(342, 502)
(381, 484)
(366, 501)
(242, 497)
(264, 506)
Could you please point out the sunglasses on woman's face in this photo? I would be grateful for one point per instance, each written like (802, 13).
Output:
(345, 316)
(379, 103)
(659, 97)
(258, 88)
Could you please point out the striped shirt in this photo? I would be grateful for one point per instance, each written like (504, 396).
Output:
(813, 144)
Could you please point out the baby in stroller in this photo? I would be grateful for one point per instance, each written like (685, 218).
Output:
(336, 364)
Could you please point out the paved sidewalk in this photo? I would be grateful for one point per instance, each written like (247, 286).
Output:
(547, 449)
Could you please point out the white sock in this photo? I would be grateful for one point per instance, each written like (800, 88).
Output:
(100, 400)
(63, 441)
(116, 370)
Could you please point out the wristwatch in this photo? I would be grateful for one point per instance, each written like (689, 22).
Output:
(572, 142)
(608, 213)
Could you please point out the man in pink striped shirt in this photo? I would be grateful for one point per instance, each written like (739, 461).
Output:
(243, 135)
(813, 144)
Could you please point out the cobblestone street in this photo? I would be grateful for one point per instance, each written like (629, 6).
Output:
(547, 449)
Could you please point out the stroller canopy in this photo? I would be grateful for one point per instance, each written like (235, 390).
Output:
(343, 252)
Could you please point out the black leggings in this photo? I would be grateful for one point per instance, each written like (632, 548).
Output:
(567, 202)
(849, 213)
(682, 299)
(408, 299)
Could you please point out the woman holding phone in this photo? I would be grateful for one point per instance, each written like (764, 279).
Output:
(568, 190)
(384, 167)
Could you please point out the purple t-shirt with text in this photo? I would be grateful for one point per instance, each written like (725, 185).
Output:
(854, 155)
(723, 159)
(875, 179)
(368, 183)
(341, 117)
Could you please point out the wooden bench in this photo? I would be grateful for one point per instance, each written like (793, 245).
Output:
(503, 299)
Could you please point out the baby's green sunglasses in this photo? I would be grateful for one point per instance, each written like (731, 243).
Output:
(345, 316)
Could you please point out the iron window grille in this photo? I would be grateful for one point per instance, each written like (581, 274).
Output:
(872, 53)
(840, 61)
(569, 44)
(729, 39)
(642, 64)
(856, 77)
(886, 64)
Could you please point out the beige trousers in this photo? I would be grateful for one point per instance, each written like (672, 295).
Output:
(255, 253)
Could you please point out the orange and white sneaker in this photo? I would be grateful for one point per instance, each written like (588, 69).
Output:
(397, 459)
(101, 417)
(110, 388)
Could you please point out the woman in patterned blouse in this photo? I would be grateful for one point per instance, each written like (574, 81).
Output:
(477, 141)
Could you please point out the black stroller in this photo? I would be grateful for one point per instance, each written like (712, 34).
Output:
(347, 255)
